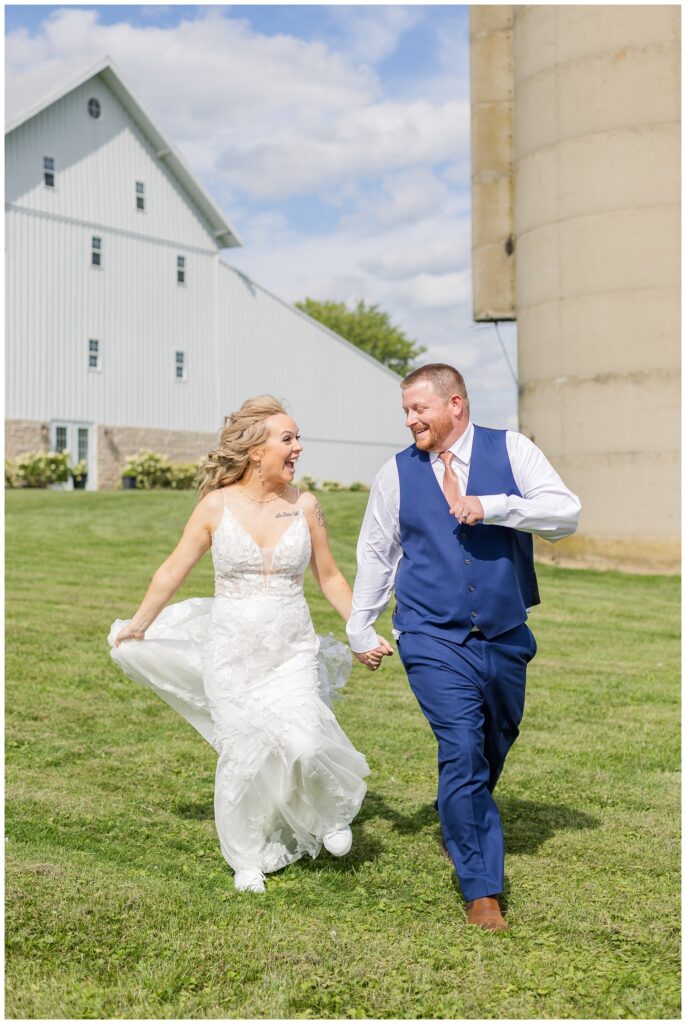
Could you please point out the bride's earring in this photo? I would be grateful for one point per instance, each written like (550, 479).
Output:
(259, 471)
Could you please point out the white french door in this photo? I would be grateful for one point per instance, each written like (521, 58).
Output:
(79, 440)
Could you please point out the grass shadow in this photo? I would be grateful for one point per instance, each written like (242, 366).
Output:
(528, 824)
(200, 810)
(375, 806)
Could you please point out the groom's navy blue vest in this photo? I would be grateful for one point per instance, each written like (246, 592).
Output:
(454, 577)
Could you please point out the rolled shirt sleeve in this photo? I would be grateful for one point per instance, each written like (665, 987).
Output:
(546, 508)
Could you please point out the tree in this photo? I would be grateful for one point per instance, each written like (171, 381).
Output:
(370, 329)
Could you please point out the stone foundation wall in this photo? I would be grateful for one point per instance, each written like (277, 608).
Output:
(115, 444)
(23, 436)
(642, 555)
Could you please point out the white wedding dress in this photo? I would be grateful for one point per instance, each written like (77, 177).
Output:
(247, 670)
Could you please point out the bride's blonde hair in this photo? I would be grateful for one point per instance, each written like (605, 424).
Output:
(242, 431)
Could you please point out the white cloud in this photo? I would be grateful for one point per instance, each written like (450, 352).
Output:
(439, 291)
(425, 253)
(368, 139)
(406, 198)
(373, 33)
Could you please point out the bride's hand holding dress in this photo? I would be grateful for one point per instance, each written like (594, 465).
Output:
(128, 633)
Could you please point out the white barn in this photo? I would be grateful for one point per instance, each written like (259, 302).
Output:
(125, 328)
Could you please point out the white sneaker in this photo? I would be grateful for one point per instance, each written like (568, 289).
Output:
(339, 843)
(249, 880)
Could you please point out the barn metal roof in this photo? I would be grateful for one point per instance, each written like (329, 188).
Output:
(31, 92)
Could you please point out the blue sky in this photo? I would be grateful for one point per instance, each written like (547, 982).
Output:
(335, 138)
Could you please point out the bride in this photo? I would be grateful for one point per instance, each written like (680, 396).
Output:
(246, 668)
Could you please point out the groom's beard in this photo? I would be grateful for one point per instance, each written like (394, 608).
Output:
(433, 437)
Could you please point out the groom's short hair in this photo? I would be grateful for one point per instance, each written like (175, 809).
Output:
(444, 379)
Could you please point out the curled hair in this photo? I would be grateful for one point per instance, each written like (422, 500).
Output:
(444, 379)
(242, 431)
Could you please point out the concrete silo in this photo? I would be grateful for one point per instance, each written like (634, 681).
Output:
(576, 110)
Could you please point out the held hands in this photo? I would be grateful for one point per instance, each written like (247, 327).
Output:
(372, 659)
(468, 510)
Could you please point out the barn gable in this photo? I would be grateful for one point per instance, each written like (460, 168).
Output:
(107, 157)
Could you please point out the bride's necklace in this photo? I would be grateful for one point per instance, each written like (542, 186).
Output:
(262, 501)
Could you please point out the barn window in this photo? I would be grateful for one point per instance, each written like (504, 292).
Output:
(181, 269)
(180, 365)
(140, 195)
(93, 354)
(96, 251)
(94, 108)
(49, 171)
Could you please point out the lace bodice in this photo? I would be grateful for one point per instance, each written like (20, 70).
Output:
(242, 568)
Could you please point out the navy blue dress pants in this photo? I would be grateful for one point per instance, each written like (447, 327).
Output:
(473, 697)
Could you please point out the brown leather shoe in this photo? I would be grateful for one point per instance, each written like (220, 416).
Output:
(485, 913)
(444, 849)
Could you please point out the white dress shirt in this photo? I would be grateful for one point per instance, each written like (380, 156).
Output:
(546, 508)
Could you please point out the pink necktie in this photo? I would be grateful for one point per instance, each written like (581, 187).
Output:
(451, 485)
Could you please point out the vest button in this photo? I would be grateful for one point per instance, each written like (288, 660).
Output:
(474, 614)
(462, 535)
(471, 588)
(467, 561)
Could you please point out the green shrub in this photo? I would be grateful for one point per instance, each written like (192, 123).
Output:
(153, 471)
(40, 469)
(308, 483)
(10, 473)
(150, 470)
(184, 475)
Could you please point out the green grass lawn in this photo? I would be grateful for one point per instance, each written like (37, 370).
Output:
(119, 903)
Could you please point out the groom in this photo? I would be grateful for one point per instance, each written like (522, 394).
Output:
(448, 526)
